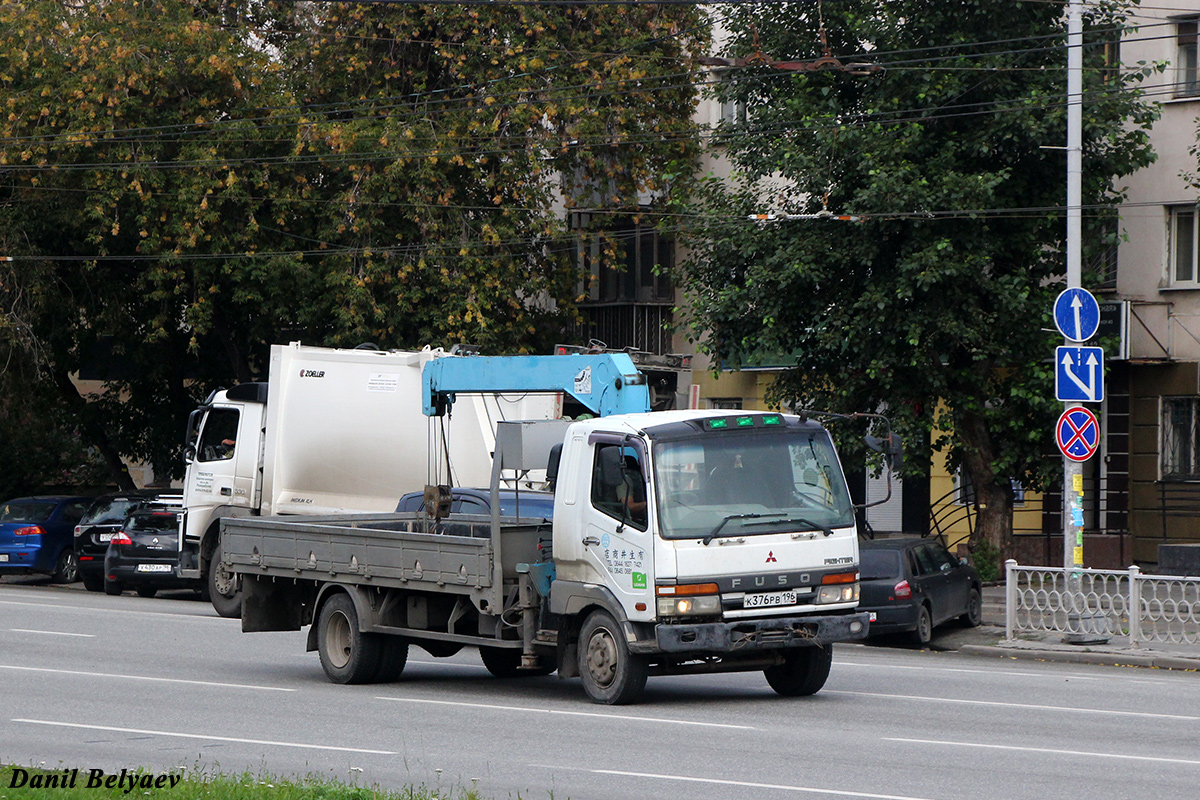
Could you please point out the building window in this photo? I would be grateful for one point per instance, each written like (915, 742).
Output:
(964, 490)
(1180, 451)
(628, 262)
(729, 403)
(1186, 84)
(1107, 236)
(1183, 245)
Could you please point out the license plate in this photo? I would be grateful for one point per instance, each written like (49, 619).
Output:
(767, 599)
(3, 556)
(153, 567)
(105, 537)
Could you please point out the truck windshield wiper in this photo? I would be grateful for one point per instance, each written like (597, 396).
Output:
(712, 534)
(816, 526)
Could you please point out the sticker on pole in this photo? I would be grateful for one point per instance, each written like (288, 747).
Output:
(1078, 434)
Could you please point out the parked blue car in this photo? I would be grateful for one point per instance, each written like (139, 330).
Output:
(37, 535)
(531, 503)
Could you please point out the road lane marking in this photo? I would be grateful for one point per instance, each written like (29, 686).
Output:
(1027, 706)
(54, 633)
(213, 617)
(527, 709)
(1075, 676)
(205, 737)
(122, 676)
(741, 784)
(1046, 750)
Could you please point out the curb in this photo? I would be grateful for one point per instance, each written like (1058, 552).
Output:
(1153, 661)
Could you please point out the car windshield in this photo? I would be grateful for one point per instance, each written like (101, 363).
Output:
(742, 484)
(109, 512)
(26, 512)
(879, 564)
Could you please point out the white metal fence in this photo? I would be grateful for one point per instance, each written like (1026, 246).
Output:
(1124, 603)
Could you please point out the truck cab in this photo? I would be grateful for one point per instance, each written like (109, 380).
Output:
(685, 522)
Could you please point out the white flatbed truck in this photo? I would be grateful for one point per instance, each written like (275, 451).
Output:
(682, 542)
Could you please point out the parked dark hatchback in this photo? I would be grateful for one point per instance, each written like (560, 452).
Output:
(35, 536)
(103, 519)
(144, 555)
(532, 504)
(913, 585)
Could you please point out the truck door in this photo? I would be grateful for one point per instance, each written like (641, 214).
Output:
(616, 537)
(214, 473)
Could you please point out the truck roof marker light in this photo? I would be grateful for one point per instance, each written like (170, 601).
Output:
(714, 424)
(688, 589)
(773, 419)
(745, 422)
(839, 577)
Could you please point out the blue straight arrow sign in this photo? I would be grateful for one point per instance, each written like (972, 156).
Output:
(1079, 374)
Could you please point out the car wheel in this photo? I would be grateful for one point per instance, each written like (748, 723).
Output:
(66, 569)
(93, 583)
(803, 671)
(222, 588)
(924, 630)
(112, 587)
(347, 654)
(611, 674)
(146, 591)
(974, 616)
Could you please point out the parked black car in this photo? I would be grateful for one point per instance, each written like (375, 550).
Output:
(912, 585)
(35, 536)
(144, 554)
(538, 505)
(103, 519)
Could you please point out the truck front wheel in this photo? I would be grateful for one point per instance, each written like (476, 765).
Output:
(222, 588)
(803, 671)
(347, 654)
(611, 675)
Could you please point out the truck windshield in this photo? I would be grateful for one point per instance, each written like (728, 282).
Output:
(750, 484)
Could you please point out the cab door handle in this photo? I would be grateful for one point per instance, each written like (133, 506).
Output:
(590, 540)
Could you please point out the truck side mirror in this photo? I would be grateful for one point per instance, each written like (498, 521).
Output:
(892, 447)
(189, 453)
(437, 501)
(552, 465)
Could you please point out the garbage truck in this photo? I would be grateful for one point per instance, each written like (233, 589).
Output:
(682, 542)
(331, 431)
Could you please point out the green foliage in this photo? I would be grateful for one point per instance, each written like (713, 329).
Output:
(184, 184)
(985, 557)
(936, 304)
(205, 783)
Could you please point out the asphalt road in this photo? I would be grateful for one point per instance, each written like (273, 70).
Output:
(93, 681)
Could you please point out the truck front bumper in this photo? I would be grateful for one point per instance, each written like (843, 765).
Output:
(761, 634)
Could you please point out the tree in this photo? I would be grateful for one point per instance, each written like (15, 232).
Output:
(184, 184)
(935, 304)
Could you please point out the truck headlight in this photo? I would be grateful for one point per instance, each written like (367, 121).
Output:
(709, 605)
(698, 599)
(846, 593)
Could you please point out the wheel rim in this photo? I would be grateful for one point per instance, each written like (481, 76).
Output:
(926, 625)
(70, 568)
(222, 581)
(338, 639)
(602, 658)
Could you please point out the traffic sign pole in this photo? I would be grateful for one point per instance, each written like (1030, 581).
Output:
(1073, 470)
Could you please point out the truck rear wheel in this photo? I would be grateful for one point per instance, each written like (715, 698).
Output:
(803, 672)
(222, 588)
(393, 656)
(611, 674)
(347, 654)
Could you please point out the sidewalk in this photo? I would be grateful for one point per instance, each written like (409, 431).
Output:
(988, 640)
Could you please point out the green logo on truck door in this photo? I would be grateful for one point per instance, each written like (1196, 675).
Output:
(639, 580)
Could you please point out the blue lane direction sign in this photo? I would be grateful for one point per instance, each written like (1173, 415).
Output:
(1077, 434)
(1079, 374)
(1076, 314)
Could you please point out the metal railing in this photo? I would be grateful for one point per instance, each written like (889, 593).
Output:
(1166, 608)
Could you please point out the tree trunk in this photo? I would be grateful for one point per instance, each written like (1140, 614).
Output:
(93, 430)
(993, 493)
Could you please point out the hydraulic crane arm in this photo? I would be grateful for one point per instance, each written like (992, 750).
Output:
(607, 383)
